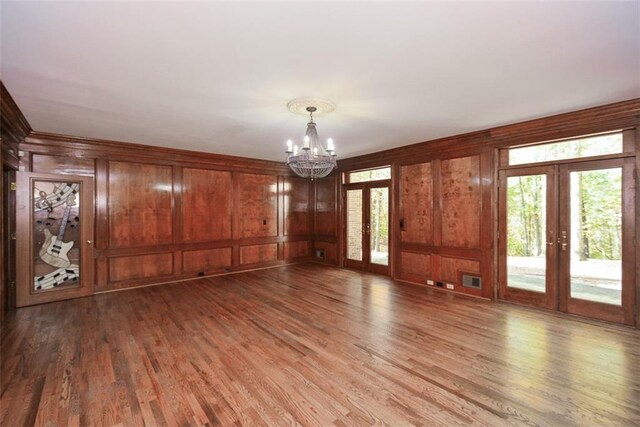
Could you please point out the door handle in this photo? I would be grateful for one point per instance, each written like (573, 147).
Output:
(563, 241)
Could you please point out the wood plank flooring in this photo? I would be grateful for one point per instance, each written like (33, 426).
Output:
(311, 345)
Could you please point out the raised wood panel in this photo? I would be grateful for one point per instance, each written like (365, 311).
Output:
(206, 205)
(461, 202)
(206, 260)
(258, 253)
(416, 203)
(415, 267)
(450, 267)
(140, 267)
(257, 205)
(296, 205)
(63, 165)
(140, 207)
(297, 249)
(325, 222)
(330, 251)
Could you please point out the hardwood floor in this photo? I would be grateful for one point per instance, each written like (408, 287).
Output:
(311, 345)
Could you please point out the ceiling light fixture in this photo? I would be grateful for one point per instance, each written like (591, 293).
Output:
(312, 160)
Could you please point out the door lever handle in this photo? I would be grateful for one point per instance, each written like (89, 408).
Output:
(563, 241)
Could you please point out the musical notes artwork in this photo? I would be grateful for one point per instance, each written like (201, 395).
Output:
(56, 208)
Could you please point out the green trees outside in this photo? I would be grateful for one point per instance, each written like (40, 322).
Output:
(596, 220)
(596, 206)
(379, 219)
(599, 216)
(526, 225)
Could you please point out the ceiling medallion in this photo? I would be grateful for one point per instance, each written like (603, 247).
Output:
(300, 105)
(312, 160)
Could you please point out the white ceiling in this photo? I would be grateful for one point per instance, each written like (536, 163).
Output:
(216, 76)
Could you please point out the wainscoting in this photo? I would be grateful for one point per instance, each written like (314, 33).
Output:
(315, 345)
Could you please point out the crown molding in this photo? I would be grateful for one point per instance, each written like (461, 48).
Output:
(57, 144)
(14, 127)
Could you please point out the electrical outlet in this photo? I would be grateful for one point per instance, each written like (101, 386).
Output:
(439, 284)
(430, 282)
(449, 286)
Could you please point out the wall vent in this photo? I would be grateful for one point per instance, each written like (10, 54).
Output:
(469, 281)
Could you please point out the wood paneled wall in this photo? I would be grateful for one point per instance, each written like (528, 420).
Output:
(441, 213)
(326, 230)
(446, 193)
(164, 214)
(13, 130)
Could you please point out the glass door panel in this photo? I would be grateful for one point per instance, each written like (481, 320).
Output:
(595, 272)
(56, 234)
(355, 224)
(378, 227)
(526, 232)
(367, 226)
(595, 242)
(527, 271)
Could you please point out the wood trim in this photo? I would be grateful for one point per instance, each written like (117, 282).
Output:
(14, 128)
(624, 313)
(604, 118)
(572, 161)
(635, 137)
(486, 222)
(25, 294)
(177, 190)
(573, 119)
(465, 253)
(437, 202)
(548, 298)
(55, 144)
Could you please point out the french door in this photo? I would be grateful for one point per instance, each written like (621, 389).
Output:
(367, 226)
(566, 238)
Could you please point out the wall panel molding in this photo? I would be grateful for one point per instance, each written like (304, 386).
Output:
(212, 214)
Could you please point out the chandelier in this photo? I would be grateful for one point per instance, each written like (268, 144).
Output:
(312, 160)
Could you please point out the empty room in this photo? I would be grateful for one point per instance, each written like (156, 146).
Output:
(322, 213)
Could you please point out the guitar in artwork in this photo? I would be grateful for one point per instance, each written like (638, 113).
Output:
(54, 251)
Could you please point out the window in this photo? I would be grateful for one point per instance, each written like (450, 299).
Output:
(572, 149)
(369, 175)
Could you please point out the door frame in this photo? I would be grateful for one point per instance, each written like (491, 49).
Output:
(557, 296)
(625, 312)
(25, 293)
(8, 285)
(366, 264)
(547, 299)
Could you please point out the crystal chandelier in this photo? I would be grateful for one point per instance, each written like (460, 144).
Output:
(312, 160)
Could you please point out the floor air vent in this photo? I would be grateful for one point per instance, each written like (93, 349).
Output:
(470, 281)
